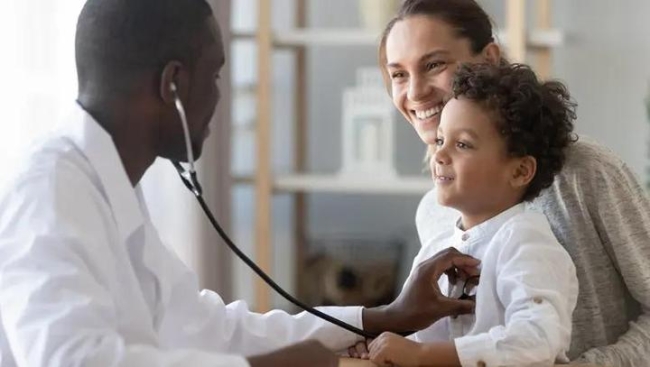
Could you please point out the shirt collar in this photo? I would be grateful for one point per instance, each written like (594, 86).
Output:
(488, 228)
(98, 147)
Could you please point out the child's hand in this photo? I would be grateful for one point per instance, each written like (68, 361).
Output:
(391, 349)
(359, 350)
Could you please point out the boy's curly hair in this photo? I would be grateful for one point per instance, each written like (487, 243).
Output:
(536, 118)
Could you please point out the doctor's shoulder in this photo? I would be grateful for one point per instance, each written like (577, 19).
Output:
(54, 178)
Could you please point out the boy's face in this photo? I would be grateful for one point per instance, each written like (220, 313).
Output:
(470, 163)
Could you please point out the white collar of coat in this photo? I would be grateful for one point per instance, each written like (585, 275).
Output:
(97, 146)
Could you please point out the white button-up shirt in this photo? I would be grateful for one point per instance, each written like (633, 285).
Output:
(527, 291)
(86, 281)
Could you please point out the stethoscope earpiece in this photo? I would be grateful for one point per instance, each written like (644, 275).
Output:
(186, 130)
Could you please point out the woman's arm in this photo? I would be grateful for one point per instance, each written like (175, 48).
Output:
(601, 215)
(620, 210)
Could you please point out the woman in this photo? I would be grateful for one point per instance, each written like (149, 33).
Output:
(596, 207)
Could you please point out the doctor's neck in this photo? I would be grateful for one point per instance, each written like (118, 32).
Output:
(128, 119)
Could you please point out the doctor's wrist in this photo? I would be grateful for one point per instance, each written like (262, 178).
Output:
(377, 320)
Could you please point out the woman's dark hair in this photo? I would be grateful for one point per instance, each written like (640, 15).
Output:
(536, 118)
(466, 17)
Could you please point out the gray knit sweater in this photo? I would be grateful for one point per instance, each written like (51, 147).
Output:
(601, 215)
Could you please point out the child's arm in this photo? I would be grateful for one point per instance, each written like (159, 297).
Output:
(391, 349)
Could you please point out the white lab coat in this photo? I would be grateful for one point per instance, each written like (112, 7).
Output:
(86, 281)
(527, 292)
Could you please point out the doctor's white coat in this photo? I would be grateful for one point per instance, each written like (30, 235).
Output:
(86, 281)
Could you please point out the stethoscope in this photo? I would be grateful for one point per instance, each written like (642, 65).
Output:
(188, 176)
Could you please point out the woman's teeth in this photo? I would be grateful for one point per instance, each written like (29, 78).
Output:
(425, 114)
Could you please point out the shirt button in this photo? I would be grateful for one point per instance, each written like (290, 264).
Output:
(480, 364)
(537, 300)
(465, 237)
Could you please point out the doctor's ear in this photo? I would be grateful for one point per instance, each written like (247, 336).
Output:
(173, 82)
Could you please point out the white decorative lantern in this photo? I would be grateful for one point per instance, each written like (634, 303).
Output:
(367, 127)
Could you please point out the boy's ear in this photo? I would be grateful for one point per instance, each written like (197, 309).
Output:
(524, 171)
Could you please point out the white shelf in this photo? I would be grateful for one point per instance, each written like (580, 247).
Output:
(414, 185)
(319, 37)
(537, 38)
(326, 37)
(362, 37)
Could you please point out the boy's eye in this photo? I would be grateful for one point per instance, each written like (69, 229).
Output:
(462, 145)
(439, 142)
(397, 75)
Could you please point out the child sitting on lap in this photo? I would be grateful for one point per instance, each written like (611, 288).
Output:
(501, 140)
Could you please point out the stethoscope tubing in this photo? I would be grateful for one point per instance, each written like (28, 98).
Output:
(190, 180)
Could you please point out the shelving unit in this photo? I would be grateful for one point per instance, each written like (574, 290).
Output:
(322, 183)
(535, 39)
(311, 183)
(516, 38)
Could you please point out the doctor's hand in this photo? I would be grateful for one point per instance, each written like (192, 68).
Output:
(310, 353)
(421, 303)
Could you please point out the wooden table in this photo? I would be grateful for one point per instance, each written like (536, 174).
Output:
(350, 362)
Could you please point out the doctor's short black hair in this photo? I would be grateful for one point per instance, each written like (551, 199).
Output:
(116, 40)
(535, 117)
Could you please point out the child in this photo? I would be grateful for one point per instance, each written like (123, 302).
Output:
(501, 140)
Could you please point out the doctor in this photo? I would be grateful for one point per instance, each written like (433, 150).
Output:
(84, 277)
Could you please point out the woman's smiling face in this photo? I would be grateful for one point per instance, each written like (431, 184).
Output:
(422, 54)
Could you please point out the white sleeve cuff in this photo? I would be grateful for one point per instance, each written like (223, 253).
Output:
(339, 338)
(477, 350)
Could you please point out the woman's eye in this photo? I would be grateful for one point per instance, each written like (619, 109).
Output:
(397, 75)
(439, 142)
(434, 65)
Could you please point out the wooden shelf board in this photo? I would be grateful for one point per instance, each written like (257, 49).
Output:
(354, 185)
(359, 37)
